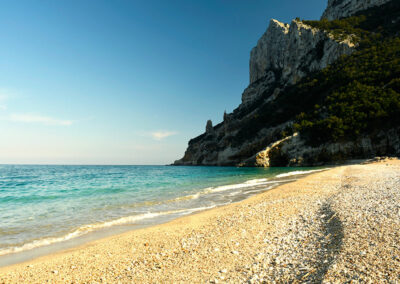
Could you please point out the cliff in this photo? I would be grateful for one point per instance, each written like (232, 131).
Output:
(344, 8)
(303, 76)
(286, 53)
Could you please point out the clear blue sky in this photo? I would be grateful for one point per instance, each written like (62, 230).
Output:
(124, 82)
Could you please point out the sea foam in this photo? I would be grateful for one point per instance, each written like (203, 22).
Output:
(298, 173)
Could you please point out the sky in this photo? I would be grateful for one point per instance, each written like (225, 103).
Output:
(124, 82)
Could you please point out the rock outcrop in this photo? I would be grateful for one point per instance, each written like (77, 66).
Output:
(209, 127)
(344, 8)
(294, 152)
(263, 158)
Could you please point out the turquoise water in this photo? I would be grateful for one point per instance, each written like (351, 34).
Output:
(40, 205)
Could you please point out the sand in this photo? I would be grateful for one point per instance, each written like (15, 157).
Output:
(333, 226)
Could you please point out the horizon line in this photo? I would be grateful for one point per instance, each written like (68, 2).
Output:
(60, 164)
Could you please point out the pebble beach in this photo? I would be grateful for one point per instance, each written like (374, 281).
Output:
(335, 226)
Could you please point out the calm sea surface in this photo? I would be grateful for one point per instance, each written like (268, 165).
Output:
(41, 205)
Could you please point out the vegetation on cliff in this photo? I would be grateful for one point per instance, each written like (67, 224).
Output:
(353, 102)
(359, 94)
(366, 26)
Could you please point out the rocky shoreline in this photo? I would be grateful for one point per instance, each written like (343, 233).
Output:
(340, 225)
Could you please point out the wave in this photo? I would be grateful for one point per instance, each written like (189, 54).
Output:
(299, 173)
(246, 184)
(256, 181)
(216, 189)
(93, 227)
(249, 183)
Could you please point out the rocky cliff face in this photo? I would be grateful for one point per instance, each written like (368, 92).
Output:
(282, 57)
(286, 53)
(344, 8)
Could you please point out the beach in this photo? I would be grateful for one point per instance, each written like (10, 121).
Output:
(338, 225)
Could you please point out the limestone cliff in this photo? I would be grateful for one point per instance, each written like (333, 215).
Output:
(286, 53)
(344, 8)
(283, 55)
(259, 131)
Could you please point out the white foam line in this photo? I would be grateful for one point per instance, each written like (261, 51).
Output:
(249, 183)
(233, 186)
(299, 173)
(90, 228)
(253, 181)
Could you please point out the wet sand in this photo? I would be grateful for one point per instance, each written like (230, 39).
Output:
(339, 225)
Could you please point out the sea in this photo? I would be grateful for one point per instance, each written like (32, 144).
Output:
(42, 205)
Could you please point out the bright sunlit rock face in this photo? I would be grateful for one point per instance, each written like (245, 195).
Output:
(286, 53)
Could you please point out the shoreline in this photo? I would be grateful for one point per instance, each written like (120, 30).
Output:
(103, 232)
(195, 247)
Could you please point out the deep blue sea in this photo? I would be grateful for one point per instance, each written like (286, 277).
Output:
(41, 205)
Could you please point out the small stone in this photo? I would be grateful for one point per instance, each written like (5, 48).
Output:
(223, 271)
(55, 271)
(235, 252)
